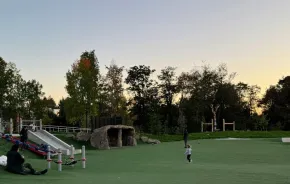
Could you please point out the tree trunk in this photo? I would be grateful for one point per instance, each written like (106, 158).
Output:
(214, 111)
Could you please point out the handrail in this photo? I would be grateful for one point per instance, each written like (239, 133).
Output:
(64, 128)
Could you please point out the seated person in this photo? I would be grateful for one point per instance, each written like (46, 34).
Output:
(15, 163)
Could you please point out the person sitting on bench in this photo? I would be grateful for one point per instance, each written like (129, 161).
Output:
(15, 163)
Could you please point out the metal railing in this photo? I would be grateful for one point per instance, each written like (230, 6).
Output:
(66, 129)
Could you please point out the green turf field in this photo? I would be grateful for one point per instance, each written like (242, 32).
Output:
(214, 162)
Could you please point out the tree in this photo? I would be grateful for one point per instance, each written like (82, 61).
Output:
(15, 97)
(253, 99)
(276, 104)
(114, 88)
(83, 88)
(169, 89)
(208, 83)
(33, 102)
(61, 118)
(140, 84)
(208, 92)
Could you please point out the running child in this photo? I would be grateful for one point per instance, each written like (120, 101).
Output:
(188, 153)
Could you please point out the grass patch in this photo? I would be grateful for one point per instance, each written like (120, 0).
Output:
(215, 135)
(219, 162)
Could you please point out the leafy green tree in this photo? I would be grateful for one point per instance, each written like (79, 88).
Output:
(83, 88)
(114, 88)
(60, 119)
(169, 89)
(140, 84)
(276, 104)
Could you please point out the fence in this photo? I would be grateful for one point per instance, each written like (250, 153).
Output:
(98, 122)
(53, 128)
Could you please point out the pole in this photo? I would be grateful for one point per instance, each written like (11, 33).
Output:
(48, 158)
(72, 153)
(224, 125)
(40, 124)
(86, 118)
(59, 162)
(83, 157)
(20, 124)
(11, 127)
(234, 126)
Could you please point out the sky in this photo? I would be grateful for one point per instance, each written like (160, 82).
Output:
(43, 38)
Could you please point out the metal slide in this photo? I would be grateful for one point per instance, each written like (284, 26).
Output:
(44, 137)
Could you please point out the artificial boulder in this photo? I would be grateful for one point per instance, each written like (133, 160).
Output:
(149, 140)
(113, 136)
(153, 141)
(83, 136)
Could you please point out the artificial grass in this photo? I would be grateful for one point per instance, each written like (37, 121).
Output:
(214, 161)
(226, 134)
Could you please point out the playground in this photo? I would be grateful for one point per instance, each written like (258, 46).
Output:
(214, 161)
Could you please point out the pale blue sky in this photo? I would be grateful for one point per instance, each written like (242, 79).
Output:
(45, 37)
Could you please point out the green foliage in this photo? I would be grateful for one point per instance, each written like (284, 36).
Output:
(20, 97)
(82, 88)
(261, 122)
(143, 91)
(155, 125)
(276, 104)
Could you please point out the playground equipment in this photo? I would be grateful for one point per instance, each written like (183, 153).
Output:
(232, 123)
(6, 126)
(32, 125)
(212, 125)
(39, 136)
(30, 146)
(72, 161)
(207, 124)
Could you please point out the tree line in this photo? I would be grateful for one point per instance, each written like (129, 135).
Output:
(166, 104)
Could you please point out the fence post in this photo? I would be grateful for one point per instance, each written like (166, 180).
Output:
(72, 153)
(1, 125)
(83, 157)
(59, 161)
(224, 125)
(40, 124)
(48, 158)
(234, 126)
(20, 124)
(11, 127)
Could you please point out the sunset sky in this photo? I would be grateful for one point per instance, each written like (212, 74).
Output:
(45, 37)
